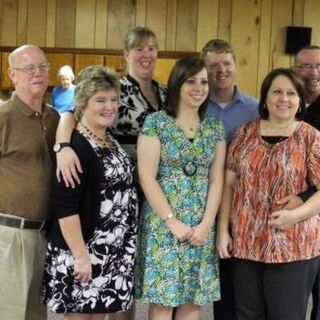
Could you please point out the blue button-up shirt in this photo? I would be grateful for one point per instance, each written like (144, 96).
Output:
(242, 109)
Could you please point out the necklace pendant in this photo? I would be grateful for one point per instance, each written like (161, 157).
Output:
(190, 169)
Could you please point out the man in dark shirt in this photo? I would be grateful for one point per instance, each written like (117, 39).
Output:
(27, 133)
(307, 65)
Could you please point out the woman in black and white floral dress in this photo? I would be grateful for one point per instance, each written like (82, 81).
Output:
(91, 241)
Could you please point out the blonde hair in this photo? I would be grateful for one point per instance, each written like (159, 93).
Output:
(137, 36)
(90, 80)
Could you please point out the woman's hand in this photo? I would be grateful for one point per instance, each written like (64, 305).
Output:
(82, 268)
(68, 166)
(180, 230)
(224, 245)
(282, 219)
(200, 234)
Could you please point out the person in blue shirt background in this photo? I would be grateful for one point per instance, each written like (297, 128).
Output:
(233, 108)
(62, 95)
(226, 101)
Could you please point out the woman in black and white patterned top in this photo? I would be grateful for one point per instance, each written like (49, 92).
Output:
(140, 95)
(91, 240)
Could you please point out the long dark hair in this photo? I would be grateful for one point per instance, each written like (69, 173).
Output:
(184, 68)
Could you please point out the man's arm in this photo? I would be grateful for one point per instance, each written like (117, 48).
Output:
(284, 219)
(292, 201)
(68, 164)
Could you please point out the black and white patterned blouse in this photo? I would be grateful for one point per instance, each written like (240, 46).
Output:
(133, 109)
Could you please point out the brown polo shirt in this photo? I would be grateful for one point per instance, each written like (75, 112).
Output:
(26, 168)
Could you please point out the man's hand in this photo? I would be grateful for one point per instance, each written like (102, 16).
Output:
(68, 167)
(282, 219)
(290, 202)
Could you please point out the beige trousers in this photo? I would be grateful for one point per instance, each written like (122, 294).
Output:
(22, 253)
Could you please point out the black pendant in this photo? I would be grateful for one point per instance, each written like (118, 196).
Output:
(189, 169)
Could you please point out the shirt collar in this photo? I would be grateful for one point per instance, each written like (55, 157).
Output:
(22, 107)
(236, 97)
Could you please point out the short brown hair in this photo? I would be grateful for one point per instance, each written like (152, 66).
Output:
(217, 46)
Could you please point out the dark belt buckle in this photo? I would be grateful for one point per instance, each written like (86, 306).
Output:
(22, 221)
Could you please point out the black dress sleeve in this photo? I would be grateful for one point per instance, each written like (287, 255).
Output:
(67, 200)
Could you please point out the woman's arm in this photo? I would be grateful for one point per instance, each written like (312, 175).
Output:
(224, 240)
(71, 230)
(200, 232)
(68, 164)
(284, 219)
(148, 154)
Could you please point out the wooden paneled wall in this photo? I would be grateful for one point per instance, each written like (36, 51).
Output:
(255, 28)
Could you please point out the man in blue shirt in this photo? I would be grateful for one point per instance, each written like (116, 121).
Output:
(226, 101)
(233, 108)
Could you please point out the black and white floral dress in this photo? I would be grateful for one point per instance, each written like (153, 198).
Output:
(111, 246)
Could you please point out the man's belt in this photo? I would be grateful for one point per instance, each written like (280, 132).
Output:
(21, 223)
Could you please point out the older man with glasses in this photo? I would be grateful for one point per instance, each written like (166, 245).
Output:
(27, 134)
(307, 65)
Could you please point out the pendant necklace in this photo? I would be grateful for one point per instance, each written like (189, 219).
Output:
(189, 167)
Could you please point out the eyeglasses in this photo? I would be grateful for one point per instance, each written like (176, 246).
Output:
(309, 67)
(31, 68)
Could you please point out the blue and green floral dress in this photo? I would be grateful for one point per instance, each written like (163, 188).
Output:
(169, 272)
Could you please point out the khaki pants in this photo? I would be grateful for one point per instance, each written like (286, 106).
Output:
(22, 253)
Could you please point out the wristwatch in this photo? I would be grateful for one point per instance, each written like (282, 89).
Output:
(58, 146)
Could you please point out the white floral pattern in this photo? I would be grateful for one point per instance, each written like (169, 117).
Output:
(111, 249)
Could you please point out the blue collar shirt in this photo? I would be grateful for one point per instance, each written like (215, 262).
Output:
(242, 109)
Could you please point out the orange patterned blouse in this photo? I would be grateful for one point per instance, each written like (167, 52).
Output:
(266, 173)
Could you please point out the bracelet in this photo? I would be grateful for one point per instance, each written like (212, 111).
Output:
(168, 217)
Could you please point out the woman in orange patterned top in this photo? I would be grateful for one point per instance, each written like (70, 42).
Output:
(276, 251)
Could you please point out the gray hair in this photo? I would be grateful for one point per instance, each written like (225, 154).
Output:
(65, 71)
(309, 47)
(13, 55)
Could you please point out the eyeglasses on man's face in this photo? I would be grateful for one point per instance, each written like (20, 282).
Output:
(31, 68)
(309, 67)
